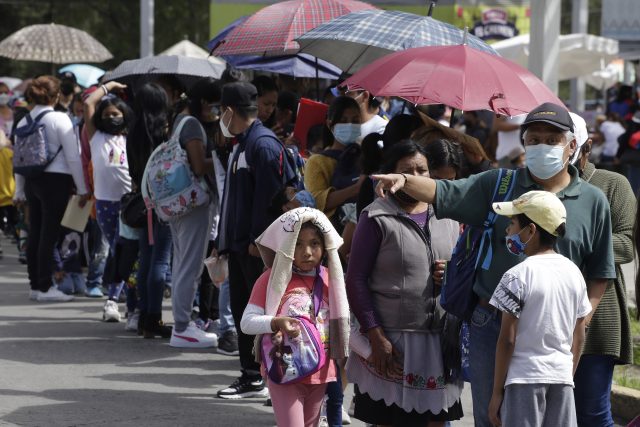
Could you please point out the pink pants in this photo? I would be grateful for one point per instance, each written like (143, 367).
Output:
(297, 405)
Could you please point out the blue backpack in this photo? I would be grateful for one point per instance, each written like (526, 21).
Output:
(31, 154)
(457, 296)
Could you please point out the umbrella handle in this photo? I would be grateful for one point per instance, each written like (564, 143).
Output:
(431, 6)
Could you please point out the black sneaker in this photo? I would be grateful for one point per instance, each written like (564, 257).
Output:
(228, 344)
(244, 388)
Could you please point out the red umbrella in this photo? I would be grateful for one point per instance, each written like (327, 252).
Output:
(272, 30)
(458, 76)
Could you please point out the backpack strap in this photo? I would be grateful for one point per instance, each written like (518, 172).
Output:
(317, 292)
(498, 196)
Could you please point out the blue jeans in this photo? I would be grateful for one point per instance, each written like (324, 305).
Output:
(335, 398)
(151, 268)
(593, 390)
(484, 329)
(98, 255)
(224, 309)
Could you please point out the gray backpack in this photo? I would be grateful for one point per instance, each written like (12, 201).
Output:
(31, 154)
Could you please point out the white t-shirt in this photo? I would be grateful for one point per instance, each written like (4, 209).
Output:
(611, 131)
(110, 167)
(548, 294)
(507, 141)
(375, 124)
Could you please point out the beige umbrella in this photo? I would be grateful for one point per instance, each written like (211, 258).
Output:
(57, 44)
(191, 50)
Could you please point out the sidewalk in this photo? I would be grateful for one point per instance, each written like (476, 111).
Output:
(60, 366)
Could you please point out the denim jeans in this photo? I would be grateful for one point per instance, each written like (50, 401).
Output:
(224, 309)
(484, 329)
(98, 255)
(152, 266)
(593, 390)
(335, 398)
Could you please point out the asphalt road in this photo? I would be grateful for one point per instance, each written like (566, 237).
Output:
(61, 366)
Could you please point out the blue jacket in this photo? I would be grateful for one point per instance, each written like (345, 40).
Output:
(259, 167)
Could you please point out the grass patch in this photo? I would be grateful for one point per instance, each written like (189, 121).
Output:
(623, 376)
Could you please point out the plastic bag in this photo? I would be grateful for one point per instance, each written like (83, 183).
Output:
(218, 269)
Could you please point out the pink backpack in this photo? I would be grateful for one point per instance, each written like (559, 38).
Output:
(290, 360)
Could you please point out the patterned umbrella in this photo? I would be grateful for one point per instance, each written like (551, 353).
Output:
(57, 44)
(272, 30)
(359, 38)
(188, 70)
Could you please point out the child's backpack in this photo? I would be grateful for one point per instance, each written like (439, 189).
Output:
(31, 154)
(169, 186)
(289, 360)
(457, 296)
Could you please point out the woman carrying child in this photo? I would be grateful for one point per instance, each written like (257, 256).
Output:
(293, 248)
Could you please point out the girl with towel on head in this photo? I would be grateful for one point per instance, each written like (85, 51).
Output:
(294, 248)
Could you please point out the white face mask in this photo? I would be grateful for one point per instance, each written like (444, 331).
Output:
(4, 99)
(224, 127)
(545, 161)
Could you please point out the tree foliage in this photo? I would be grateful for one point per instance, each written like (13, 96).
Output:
(115, 23)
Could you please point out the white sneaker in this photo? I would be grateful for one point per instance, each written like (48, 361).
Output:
(110, 313)
(193, 337)
(132, 321)
(33, 295)
(53, 294)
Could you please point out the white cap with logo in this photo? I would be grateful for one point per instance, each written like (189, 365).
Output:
(541, 207)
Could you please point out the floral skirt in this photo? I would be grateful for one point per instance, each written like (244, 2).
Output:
(422, 387)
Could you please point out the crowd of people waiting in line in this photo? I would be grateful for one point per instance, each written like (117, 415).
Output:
(354, 232)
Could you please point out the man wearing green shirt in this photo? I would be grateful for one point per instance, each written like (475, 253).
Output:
(549, 144)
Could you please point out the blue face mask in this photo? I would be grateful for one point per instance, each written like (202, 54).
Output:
(306, 199)
(346, 133)
(515, 245)
(545, 161)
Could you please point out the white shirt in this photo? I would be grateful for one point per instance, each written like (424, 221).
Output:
(507, 141)
(611, 131)
(375, 124)
(110, 166)
(548, 294)
(59, 132)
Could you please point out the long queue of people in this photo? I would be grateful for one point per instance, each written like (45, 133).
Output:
(336, 254)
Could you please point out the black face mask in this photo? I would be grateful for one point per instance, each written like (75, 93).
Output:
(114, 125)
(66, 88)
(405, 198)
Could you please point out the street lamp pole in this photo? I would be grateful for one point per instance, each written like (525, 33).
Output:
(579, 24)
(545, 43)
(146, 28)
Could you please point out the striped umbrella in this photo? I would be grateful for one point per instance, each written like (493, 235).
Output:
(53, 43)
(273, 30)
(359, 38)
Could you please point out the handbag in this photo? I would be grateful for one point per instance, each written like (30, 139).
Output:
(133, 211)
(289, 360)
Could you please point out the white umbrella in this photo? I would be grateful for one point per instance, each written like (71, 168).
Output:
(12, 82)
(603, 79)
(57, 44)
(580, 54)
(191, 50)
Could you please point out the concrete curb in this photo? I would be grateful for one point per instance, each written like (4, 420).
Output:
(625, 402)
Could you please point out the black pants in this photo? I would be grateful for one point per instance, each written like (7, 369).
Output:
(47, 198)
(244, 270)
(208, 301)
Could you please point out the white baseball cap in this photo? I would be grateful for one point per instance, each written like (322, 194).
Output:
(542, 207)
(581, 133)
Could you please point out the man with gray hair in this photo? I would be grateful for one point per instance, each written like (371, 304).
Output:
(549, 144)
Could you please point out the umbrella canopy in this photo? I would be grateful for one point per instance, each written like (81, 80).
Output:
(458, 76)
(188, 70)
(359, 38)
(12, 82)
(292, 65)
(580, 54)
(273, 29)
(191, 50)
(86, 75)
(600, 79)
(57, 44)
